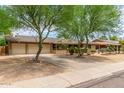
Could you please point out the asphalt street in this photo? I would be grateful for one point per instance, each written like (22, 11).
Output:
(114, 81)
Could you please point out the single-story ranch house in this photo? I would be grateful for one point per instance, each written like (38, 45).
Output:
(28, 45)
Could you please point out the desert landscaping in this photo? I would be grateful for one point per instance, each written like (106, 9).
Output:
(16, 68)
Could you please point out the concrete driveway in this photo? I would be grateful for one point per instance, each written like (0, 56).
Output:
(67, 62)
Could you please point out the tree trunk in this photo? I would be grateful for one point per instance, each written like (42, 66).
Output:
(79, 50)
(39, 50)
(87, 41)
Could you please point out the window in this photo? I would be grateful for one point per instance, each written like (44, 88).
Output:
(59, 47)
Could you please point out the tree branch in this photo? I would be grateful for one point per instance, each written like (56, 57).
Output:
(48, 32)
(27, 22)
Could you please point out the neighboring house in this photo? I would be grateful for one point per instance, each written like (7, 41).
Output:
(98, 44)
(28, 45)
(103, 43)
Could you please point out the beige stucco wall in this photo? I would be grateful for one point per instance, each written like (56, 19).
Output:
(2, 50)
(46, 48)
(93, 47)
(33, 48)
(60, 51)
(18, 48)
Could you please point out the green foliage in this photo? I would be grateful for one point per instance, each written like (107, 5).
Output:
(2, 42)
(42, 19)
(71, 50)
(115, 38)
(103, 38)
(110, 48)
(76, 49)
(89, 20)
(122, 48)
(6, 21)
(82, 50)
(122, 45)
(121, 42)
(103, 50)
(93, 50)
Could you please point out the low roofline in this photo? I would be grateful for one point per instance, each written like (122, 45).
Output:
(29, 39)
(43, 42)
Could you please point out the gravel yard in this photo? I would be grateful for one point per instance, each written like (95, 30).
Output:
(16, 68)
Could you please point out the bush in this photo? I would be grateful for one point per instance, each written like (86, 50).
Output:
(2, 42)
(71, 50)
(92, 50)
(122, 48)
(103, 50)
(110, 48)
(84, 50)
(76, 49)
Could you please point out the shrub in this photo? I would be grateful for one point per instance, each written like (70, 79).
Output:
(122, 48)
(84, 50)
(110, 48)
(103, 50)
(76, 50)
(2, 42)
(92, 50)
(71, 50)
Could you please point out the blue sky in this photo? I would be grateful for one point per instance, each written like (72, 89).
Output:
(27, 32)
(121, 30)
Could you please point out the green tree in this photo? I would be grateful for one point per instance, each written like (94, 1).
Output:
(103, 38)
(73, 29)
(7, 22)
(110, 48)
(89, 20)
(2, 42)
(101, 19)
(115, 38)
(41, 19)
(122, 45)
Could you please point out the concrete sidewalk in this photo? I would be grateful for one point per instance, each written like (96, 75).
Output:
(70, 78)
